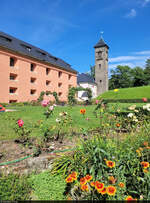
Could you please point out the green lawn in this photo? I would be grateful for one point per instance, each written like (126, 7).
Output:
(32, 114)
(128, 93)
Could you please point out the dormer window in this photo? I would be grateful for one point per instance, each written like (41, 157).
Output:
(6, 39)
(26, 47)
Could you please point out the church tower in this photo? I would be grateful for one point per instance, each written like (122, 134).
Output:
(101, 66)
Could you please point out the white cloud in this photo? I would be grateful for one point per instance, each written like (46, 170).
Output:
(110, 66)
(131, 14)
(142, 52)
(126, 58)
(145, 2)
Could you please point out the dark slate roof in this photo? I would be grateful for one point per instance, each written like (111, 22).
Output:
(101, 43)
(85, 78)
(27, 49)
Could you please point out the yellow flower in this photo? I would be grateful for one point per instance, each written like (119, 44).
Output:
(116, 90)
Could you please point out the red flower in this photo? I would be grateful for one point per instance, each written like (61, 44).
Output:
(83, 181)
(111, 190)
(145, 164)
(110, 164)
(88, 177)
(20, 122)
(69, 179)
(144, 99)
(98, 185)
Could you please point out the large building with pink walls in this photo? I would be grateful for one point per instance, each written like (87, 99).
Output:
(26, 71)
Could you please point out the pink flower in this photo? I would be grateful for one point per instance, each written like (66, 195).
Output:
(96, 101)
(20, 123)
(45, 103)
(144, 99)
(51, 108)
(87, 119)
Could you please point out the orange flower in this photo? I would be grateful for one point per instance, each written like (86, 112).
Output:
(69, 179)
(88, 178)
(73, 175)
(110, 164)
(117, 124)
(111, 190)
(84, 187)
(147, 147)
(111, 179)
(98, 185)
(92, 184)
(129, 198)
(103, 191)
(145, 144)
(83, 181)
(145, 164)
(145, 170)
(82, 111)
(121, 184)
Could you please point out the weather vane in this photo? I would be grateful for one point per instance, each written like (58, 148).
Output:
(102, 34)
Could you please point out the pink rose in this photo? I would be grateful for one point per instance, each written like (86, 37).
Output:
(20, 123)
(144, 99)
(45, 103)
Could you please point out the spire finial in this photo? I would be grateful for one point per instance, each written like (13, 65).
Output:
(102, 34)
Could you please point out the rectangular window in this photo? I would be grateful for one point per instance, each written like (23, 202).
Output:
(69, 77)
(60, 94)
(12, 101)
(32, 67)
(32, 80)
(12, 62)
(47, 71)
(12, 76)
(12, 90)
(32, 92)
(59, 74)
(48, 82)
(59, 84)
(99, 66)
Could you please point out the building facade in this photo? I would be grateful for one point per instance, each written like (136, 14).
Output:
(86, 81)
(26, 71)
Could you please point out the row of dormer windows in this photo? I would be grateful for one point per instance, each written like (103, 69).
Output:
(33, 67)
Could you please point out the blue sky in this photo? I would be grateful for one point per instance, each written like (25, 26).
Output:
(70, 28)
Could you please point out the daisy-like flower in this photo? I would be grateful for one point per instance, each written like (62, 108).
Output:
(116, 90)
(88, 178)
(92, 184)
(111, 190)
(84, 187)
(145, 164)
(98, 185)
(145, 170)
(69, 179)
(60, 114)
(129, 198)
(83, 181)
(110, 164)
(73, 175)
(121, 184)
(82, 111)
(103, 191)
